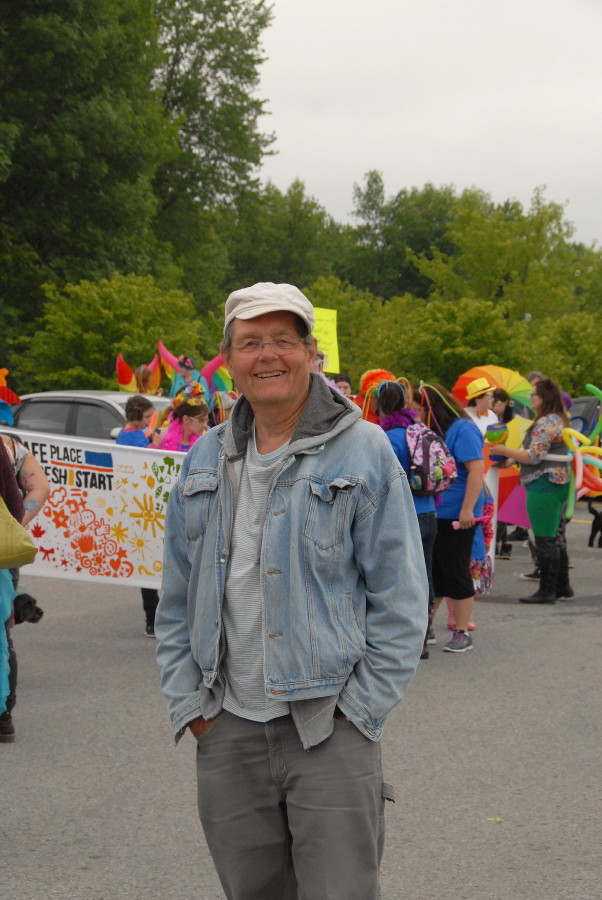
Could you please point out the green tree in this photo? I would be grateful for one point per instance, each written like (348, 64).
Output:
(275, 236)
(208, 77)
(90, 133)
(391, 232)
(505, 254)
(84, 327)
(438, 340)
(81, 137)
(563, 348)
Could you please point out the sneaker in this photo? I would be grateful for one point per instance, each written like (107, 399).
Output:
(505, 552)
(460, 642)
(149, 630)
(535, 575)
(430, 637)
(7, 729)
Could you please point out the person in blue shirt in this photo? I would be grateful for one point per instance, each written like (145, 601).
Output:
(139, 412)
(461, 503)
(395, 415)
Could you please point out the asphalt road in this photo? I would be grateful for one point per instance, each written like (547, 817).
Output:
(495, 755)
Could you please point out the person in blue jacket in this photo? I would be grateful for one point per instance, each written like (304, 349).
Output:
(293, 615)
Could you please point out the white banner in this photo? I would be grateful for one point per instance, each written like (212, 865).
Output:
(105, 516)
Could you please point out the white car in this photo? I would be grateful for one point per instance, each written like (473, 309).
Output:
(96, 415)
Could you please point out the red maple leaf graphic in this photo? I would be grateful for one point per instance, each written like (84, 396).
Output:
(38, 531)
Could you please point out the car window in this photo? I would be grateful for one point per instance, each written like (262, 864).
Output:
(96, 421)
(43, 415)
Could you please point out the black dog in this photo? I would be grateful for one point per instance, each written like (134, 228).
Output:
(26, 609)
(596, 525)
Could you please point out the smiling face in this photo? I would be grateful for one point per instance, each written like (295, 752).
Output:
(271, 379)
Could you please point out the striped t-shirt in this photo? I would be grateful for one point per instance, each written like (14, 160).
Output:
(242, 613)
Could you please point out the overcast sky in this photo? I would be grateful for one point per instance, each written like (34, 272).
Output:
(501, 96)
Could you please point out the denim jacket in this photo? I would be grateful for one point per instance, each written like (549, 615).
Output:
(342, 570)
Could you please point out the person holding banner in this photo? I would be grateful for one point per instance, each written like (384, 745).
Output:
(293, 614)
(139, 412)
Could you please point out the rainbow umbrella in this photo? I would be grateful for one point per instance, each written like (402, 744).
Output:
(511, 381)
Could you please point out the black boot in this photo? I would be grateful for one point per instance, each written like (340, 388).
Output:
(150, 601)
(7, 729)
(564, 591)
(548, 556)
(535, 575)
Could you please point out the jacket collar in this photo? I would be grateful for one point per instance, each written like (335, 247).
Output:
(325, 414)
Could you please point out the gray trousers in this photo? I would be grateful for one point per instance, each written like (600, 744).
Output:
(283, 823)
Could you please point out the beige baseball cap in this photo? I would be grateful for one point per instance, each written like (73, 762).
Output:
(266, 297)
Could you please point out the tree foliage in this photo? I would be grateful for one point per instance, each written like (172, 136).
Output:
(130, 147)
(81, 136)
(392, 232)
(208, 77)
(85, 326)
(85, 134)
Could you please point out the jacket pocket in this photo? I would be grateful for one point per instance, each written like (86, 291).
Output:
(357, 634)
(200, 493)
(329, 512)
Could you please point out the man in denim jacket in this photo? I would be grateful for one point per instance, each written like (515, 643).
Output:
(293, 615)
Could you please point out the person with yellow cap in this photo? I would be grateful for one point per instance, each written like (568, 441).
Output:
(479, 394)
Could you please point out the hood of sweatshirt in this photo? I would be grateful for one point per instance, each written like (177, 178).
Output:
(324, 416)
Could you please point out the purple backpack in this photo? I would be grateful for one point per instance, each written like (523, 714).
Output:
(432, 467)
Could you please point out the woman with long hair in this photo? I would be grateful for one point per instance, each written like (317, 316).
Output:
(395, 414)
(462, 502)
(502, 405)
(545, 471)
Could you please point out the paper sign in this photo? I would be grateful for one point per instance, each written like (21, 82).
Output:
(325, 332)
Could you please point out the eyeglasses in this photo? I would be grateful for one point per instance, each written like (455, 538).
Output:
(254, 347)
